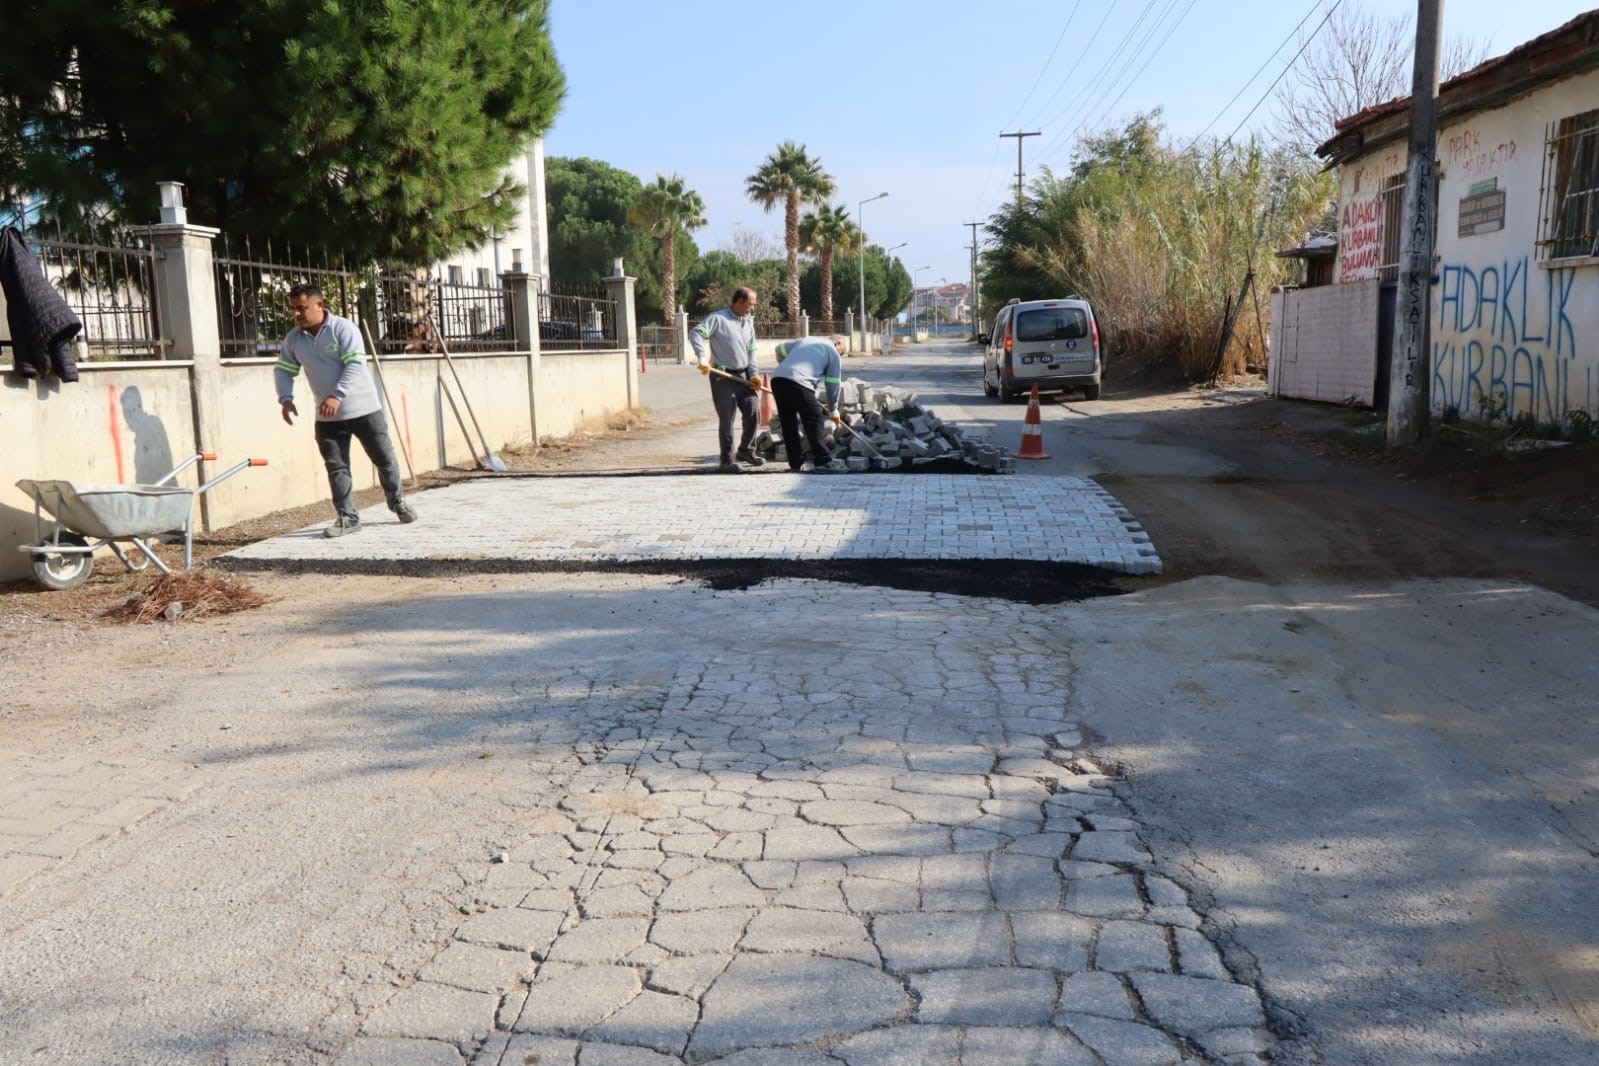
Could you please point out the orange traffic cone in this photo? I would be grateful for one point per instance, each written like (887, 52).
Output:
(1033, 431)
(768, 405)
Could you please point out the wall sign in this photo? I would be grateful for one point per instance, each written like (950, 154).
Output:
(1482, 210)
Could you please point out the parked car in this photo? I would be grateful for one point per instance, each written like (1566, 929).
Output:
(1054, 344)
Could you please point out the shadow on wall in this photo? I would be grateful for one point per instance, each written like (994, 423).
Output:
(152, 450)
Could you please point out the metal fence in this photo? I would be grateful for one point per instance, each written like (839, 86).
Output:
(660, 344)
(577, 319)
(253, 299)
(414, 309)
(112, 290)
(779, 331)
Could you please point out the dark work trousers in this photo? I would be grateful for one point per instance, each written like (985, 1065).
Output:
(796, 406)
(333, 440)
(730, 397)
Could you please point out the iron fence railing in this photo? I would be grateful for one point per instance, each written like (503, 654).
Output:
(413, 307)
(660, 343)
(577, 319)
(779, 331)
(112, 291)
(827, 327)
(253, 299)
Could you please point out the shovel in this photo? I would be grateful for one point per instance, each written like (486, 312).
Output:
(864, 442)
(757, 386)
(377, 365)
(492, 461)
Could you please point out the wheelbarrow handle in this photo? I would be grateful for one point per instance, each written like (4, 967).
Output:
(229, 472)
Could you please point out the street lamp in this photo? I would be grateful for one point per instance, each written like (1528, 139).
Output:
(860, 224)
(915, 289)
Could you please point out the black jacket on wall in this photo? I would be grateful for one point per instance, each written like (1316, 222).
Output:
(42, 325)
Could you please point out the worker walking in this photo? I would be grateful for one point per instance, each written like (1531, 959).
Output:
(807, 363)
(730, 336)
(328, 348)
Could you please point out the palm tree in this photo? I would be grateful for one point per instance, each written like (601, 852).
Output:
(664, 210)
(791, 177)
(828, 231)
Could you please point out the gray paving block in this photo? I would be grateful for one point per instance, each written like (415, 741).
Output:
(843, 812)
(902, 1045)
(1104, 897)
(1127, 946)
(575, 1000)
(715, 929)
(390, 1052)
(721, 886)
(1052, 940)
(914, 942)
(990, 996)
(1024, 883)
(784, 930)
(809, 842)
(1108, 846)
(1197, 956)
(1121, 1043)
(478, 968)
(427, 1011)
(687, 975)
(597, 1054)
(512, 927)
(769, 1000)
(775, 1057)
(1193, 1005)
(1102, 994)
(525, 1048)
(653, 1020)
(1011, 1047)
(597, 940)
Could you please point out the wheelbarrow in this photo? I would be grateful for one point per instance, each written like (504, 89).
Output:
(112, 515)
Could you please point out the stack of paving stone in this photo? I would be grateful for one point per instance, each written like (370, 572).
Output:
(903, 431)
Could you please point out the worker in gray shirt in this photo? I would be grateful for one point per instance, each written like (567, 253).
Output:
(730, 336)
(328, 348)
(807, 363)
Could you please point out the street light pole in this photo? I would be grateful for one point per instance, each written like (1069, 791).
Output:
(860, 224)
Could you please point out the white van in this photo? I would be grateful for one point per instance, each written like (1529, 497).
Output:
(1054, 344)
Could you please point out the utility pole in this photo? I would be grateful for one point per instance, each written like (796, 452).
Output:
(977, 305)
(1019, 137)
(1409, 388)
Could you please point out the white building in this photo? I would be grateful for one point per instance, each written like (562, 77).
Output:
(1515, 301)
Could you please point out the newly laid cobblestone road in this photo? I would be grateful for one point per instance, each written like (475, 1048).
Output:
(764, 515)
(892, 851)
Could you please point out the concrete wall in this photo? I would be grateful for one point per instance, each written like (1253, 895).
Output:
(1324, 343)
(1508, 332)
(131, 422)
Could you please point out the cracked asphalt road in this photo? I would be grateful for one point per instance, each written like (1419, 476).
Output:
(1297, 816)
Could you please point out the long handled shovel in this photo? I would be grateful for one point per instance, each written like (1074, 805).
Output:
(444, 388)
(757, 386)
(494, 462)
(377, 366)
(864, 442)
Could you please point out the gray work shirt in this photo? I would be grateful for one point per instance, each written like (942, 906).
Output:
(334, 361)
(731, 340)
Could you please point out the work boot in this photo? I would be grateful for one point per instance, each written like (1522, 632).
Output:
(807, 467)
(727, 466)
(749, 458)
(405, 512)
(345, 524)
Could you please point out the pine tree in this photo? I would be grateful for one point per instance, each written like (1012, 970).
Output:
(376, 130)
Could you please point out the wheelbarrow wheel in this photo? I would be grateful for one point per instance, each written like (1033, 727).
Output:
(59, 571)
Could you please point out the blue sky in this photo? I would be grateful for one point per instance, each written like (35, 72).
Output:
(909, 98)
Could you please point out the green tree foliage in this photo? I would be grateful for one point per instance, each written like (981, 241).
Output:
(719, 273)
(1159, 239)
(589, 202)
(379, 130)
(888, 283)
(792, 177)
(665, 210)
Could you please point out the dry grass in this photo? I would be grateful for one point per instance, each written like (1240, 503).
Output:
(198, 593)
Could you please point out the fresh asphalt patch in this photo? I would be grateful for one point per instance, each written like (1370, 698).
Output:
(1015, 581)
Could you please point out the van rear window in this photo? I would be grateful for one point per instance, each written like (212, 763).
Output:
(1052, 324)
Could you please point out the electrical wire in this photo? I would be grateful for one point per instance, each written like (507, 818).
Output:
(1087, 50)
(1045, 68)
(1228, 106)
(1285, 70)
